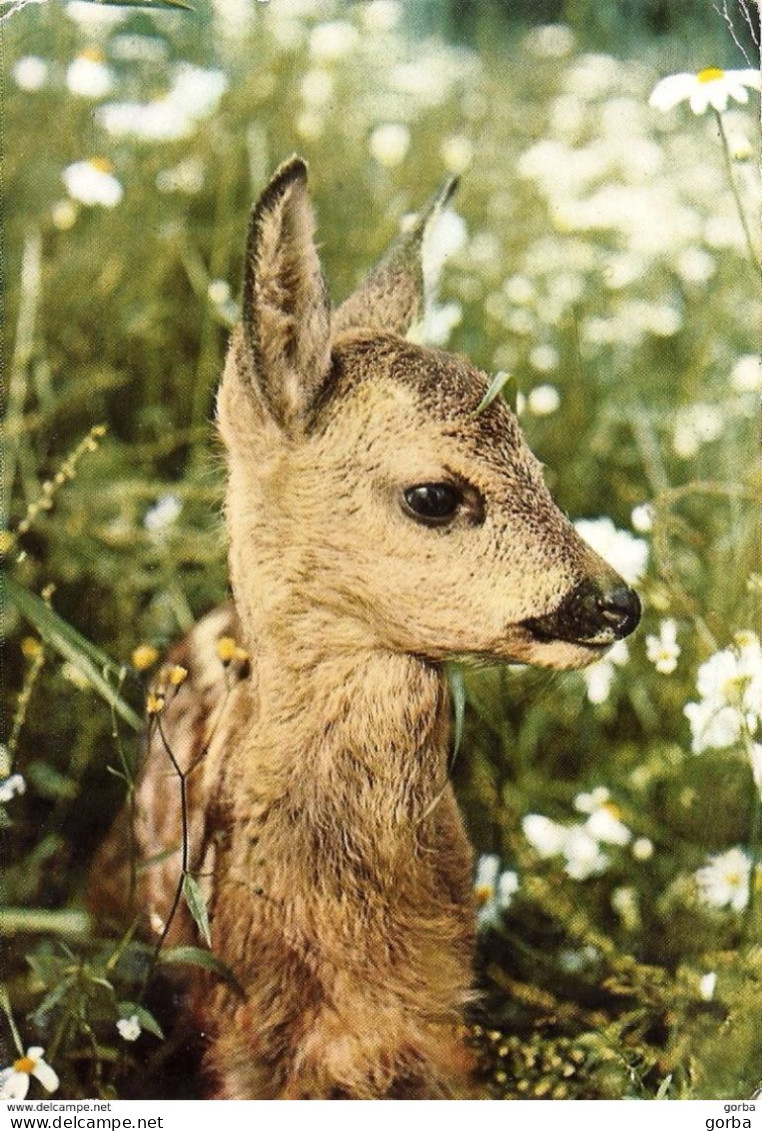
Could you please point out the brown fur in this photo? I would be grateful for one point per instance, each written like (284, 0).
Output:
(337, 869)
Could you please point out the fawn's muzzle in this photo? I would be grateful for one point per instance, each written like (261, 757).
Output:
(590, 614)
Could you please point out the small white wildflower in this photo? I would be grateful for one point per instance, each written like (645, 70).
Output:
(707, 984)
(730, 686)
(520, 290)
(642, 518)
(219, 291)
(14, 1081)
(583, 854)
(381, 15)
(599, 679)
(197, 90)
(695, 265)
(93, 182)
(589, 802)
(724, 880)
(94, 17)
(164, 119)
(546, 837)
(129, 1028)
(604, 825)
(494, 890)
(603, 821)
(457, 153)
(332, 41)
(710, 87)
(544, 359)
(663, 650)
(30, 73)
(746, 374)
(642, 849)
(712, 727)
(389, 144)
(544, 400)
(11, 787)
(162, 514)
(627, 555)
(89, 76)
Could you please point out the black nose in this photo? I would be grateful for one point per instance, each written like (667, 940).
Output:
(592, 614)
(620, 609)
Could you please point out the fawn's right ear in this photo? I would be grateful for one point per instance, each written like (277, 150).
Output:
(286, 310)
(397, 292)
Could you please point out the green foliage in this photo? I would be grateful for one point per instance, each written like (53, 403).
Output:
(606, 270)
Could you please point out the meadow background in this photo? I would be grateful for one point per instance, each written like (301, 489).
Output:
(598, 255)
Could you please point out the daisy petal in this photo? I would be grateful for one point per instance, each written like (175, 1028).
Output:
(46, 1075)
(13, 1085)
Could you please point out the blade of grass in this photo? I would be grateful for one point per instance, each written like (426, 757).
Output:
(72, 646)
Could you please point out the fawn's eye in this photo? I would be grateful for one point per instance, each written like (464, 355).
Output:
(434, 504)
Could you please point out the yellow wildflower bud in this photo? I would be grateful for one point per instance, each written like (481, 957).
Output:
(31, 648)
(177, 675)
(226, 649)
(144, 657)
(154, 703)
(7, 541)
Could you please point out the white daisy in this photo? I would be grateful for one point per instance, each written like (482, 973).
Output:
(11, 787)
(129, 1028)
(710, 87)
(494, 891)
(88, 75)
(724, 880)
(14, 1081)
(626, 554)
(663, 650)
(93, 182)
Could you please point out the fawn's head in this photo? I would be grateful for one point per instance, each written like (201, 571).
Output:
(365, 489)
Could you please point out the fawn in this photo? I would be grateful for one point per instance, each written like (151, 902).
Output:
(378, 526)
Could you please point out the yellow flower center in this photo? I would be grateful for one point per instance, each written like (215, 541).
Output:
(226, 647)
(144, 656)
(177, 675)
(483, 894)
(24, 1064)
(710, 74)
(102, 164)
(613, 809)
(154, 703)
(94, 54)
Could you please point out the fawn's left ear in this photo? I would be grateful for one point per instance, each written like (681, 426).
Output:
(286, 310)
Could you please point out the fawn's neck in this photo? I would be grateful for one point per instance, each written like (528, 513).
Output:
(350, 751)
